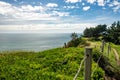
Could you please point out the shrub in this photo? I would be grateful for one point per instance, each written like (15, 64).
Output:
(74, 43)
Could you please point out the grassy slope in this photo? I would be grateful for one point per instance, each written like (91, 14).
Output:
(54, 64)
(111, 56)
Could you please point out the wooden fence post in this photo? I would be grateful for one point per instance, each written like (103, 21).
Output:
(102, 46)
(65, 45)
(88, 63)
(108, 49)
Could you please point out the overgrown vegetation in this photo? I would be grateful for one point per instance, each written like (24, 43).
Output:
(113, 71)
(109, 62)
(54, 64)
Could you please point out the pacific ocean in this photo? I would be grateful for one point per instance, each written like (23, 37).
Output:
(32, 41)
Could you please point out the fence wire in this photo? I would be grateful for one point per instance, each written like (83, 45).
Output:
(96, 66)
(79, 68)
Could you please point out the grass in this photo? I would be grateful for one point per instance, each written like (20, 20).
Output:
(117, 47)
(54, 64)
(111, 56)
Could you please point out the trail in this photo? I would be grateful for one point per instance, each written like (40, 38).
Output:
(116, 56)
(117, 61)
(108, 78)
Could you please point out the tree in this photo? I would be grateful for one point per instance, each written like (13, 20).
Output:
(113, 33)
(99, 31)
(75, 40)
(89, 32)
(74, 36)
(95, 32)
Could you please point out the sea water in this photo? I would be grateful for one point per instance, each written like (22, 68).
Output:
(32, 41)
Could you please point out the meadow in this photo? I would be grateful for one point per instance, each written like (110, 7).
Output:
(53, 64)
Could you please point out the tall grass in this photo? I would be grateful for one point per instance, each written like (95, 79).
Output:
(54, 64)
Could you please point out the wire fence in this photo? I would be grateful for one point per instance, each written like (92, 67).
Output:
(84, 59)
(96, 66)
(79, 68)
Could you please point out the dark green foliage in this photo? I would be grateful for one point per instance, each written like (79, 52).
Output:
(88, 32)
(74, 43)
(74, 36)
(110, 34)
(113, 33)
(95, 32)
(98, 75)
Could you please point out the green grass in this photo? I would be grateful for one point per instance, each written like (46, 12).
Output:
(117, 47)
(54, 64)
(111, 56)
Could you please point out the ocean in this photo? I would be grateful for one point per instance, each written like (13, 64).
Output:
(32, 41)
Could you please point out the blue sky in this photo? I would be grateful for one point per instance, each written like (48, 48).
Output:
(56, 16)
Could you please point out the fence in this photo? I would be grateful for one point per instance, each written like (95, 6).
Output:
(88, 60)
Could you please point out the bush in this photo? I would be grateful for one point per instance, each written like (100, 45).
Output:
(74, 43)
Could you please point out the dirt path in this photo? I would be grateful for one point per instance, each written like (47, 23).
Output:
(108, 78)
(116, 56)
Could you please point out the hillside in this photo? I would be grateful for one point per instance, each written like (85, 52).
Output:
(54, 64)
(108, 59)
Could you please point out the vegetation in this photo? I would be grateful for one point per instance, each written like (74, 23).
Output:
(109, 62)
(113, 33)
(74, 36)
(54, 64)
(110, 34)
(76, 41)
(95, 31)
(111, 70)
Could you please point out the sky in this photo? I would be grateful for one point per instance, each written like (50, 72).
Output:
(56, 16)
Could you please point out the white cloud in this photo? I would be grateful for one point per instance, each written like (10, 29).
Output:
(115, 9)
(83, 4)
(72, 1)
(6, 8)
(52, 5)
(46, 19)
(30, 8)
(4, 3)
(91, 1)
(56, 13)
(28, 12)
(101, 2)
(34, 16)
(110, 5)
(69, 7)
(52, 28)
(86, 8)
(115, 5)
